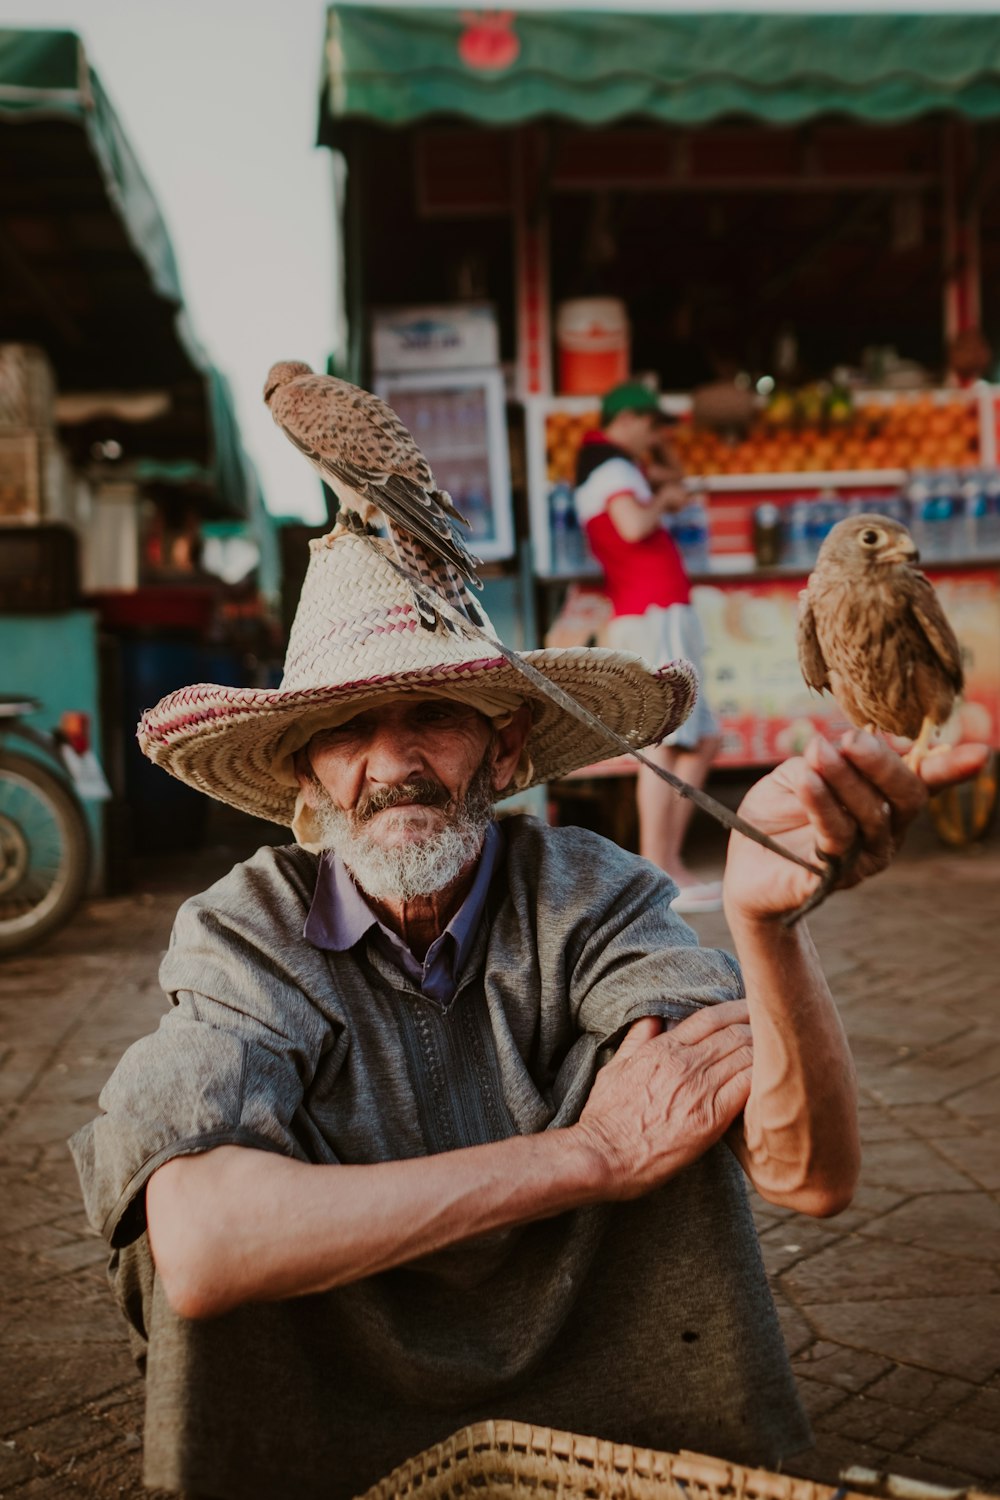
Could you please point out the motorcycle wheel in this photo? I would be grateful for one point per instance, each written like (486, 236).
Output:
(44, 852)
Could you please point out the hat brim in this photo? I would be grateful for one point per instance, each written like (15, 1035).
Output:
(225, 741)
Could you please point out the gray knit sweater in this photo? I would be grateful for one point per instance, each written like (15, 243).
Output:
(647, 1322)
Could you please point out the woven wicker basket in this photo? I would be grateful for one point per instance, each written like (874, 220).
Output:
(513, 1458)
(499, 1459)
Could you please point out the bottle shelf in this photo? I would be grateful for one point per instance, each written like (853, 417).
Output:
(828, 479)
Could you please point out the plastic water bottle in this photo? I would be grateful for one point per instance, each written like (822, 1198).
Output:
(921, 500)
(947, 514)
(975, 503)
(568, 546)
(690, 529)
(817, 525)
(989, 527)
(797, 553)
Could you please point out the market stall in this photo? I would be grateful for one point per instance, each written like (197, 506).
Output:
(118, 440)
(723, 206)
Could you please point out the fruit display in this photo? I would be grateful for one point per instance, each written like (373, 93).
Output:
(815, 430)
(810, 432)
(563, 435)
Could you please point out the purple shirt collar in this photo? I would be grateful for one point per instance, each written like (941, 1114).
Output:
(340, 916)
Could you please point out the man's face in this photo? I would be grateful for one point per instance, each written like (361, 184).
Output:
(634, 431)
(405, 790)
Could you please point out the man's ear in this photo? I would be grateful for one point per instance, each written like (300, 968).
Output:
(507, 749)
(306, 777)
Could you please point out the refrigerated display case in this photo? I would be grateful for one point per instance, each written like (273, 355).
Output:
(458, 419)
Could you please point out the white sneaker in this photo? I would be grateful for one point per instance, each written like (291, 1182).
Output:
(697, 898)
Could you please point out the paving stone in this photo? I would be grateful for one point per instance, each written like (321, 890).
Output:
(785, 1244)
(869, 1202)
(956, 1443)
(981, 1410)
(911, 1166)
(924, 1390)
(834, 1364)
(955, 1335)
(878, 1423)
(912, 1024)
(795, 1330)
(981, 1099)
(969, 1086)
(933, 1122)
(817, 1397)
(960, 1224)
(977, 1156)
(865, 1268)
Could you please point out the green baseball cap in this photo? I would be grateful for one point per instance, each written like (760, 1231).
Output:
(632, 395)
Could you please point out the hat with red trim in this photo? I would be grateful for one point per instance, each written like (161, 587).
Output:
(357, 641)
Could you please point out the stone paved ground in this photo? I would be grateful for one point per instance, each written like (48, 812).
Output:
(891, 1310)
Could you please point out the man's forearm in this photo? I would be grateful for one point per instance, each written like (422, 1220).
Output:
(799, 1142)
(236, 1225)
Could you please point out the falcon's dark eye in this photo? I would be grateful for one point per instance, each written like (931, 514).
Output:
(869, 538)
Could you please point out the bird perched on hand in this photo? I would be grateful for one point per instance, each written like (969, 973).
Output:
(367, 457)
(873, 633)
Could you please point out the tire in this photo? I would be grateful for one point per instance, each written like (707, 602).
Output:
(44, 852)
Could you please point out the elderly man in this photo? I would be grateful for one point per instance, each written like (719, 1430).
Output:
(448, 1116)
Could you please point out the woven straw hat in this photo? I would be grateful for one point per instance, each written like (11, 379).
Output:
(357, 640)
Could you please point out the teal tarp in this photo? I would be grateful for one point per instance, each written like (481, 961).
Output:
(397, 65)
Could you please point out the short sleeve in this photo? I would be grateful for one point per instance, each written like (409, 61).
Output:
(641, 959)
(629, 954)
(616, 476)
(229, 1064)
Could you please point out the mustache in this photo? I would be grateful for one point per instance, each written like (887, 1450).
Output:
(421, 790)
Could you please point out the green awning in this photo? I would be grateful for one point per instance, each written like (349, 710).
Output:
(45, 75)
(102, 294)
(396, 66)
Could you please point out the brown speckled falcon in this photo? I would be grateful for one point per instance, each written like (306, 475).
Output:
(872, 632)
(380, 477)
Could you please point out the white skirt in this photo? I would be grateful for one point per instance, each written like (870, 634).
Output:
(661, 636)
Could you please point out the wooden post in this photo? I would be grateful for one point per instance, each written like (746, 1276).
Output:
(532, 287)
(962, 288)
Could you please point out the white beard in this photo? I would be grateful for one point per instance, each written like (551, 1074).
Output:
(416, 867)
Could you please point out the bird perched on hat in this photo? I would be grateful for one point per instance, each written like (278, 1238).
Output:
(367, 457)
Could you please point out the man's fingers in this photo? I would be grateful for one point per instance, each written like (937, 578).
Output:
(876, 789)
(709, 1019)
(943, 768)
(638, 1034)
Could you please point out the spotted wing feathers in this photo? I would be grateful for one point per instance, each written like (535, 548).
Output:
(940, 636)
(811, 661)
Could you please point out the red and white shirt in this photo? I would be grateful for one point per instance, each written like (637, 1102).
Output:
(637, 574)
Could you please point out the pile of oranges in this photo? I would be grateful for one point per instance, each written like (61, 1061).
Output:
(907, 432)
(563, 436)
(916, 432)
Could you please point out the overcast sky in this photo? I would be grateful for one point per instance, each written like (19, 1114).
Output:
(219, 100)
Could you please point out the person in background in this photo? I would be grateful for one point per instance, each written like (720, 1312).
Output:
(622, 498)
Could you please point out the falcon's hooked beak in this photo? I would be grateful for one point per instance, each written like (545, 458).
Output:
(905, 551)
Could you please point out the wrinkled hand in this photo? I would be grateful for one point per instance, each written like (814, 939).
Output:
(666, 1096)
(831, 798)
